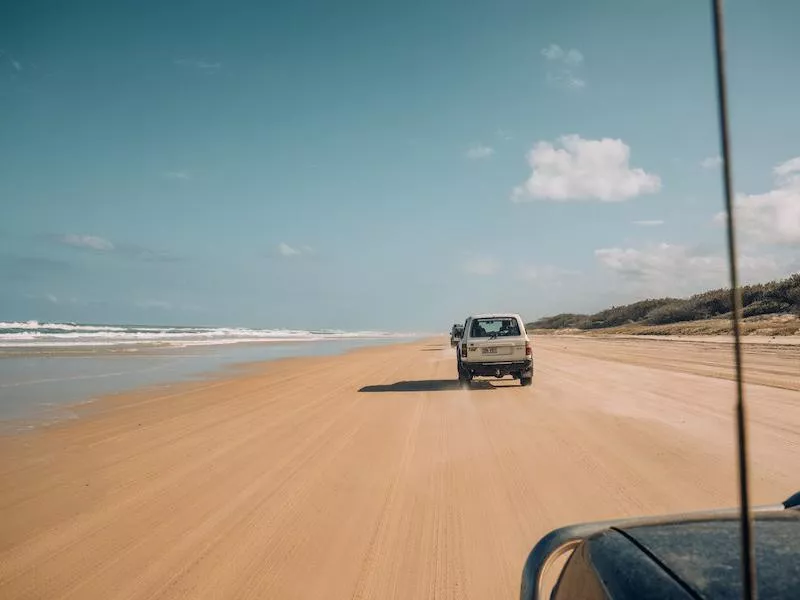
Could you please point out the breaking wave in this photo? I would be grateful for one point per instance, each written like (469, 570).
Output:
(36, 334)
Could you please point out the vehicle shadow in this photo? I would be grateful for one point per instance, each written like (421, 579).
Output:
(428, 385)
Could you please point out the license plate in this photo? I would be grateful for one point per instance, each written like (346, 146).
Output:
(497, 350)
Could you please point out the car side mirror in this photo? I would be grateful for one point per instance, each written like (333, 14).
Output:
(551, 551)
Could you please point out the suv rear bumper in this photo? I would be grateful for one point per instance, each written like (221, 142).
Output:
(523, 368)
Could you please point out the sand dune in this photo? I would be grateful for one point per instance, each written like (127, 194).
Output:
(370, 475)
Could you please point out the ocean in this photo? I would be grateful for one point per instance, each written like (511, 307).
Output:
(33, 334)
(48, 368)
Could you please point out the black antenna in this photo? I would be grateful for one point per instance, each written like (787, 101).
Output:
(749, 591)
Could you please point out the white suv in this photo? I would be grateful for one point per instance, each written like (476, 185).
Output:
(493, 346)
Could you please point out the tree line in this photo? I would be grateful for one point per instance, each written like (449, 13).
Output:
(774, 297)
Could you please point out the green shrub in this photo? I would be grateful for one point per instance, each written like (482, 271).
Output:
(774, 297)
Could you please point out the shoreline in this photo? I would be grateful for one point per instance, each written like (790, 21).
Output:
(96, 376)
(159, 348)
(69, 414)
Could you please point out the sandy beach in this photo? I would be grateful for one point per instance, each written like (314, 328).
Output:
(371, 475)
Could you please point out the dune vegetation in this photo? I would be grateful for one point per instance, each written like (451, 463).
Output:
(771, 308)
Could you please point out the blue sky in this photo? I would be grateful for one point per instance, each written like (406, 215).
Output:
(384, 165)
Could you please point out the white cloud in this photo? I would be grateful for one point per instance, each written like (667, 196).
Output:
(199, 65)
(49, 297)
(565, 79)
(669, 270)
(562, 67)
(90, 242)
(649, 223)
(711, 162)
(573, 57)
(178, 175)
(503, 134)
(53, 299)
(478, 151)
(772, 217)
(659, 261)
(481, 266)
(96, 243)
(553, 52)
(288, 251)
(584, 170)
(549, 274)
(16, 64)
(790, 168)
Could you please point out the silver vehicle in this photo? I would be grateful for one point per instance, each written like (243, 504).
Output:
(455, 334)
(495, 345)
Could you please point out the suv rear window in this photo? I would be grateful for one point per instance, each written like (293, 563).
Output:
(498, 327)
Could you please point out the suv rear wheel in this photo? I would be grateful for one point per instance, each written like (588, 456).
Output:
(526, 380)
(464, 376)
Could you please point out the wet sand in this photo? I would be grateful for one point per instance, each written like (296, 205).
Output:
(41, 384)
(371, 475)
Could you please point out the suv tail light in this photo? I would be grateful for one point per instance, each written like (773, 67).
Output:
(463, 350)
(528, 349)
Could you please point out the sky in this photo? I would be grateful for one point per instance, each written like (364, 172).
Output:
(375, 165)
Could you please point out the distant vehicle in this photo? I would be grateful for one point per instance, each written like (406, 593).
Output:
(495, 345)
(455, 334)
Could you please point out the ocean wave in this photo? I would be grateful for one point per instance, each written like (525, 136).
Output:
(36, 334)
(36, 325)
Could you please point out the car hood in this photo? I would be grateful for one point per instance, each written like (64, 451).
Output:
(705, 555)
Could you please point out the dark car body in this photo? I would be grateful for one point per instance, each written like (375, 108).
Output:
(679, 557)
